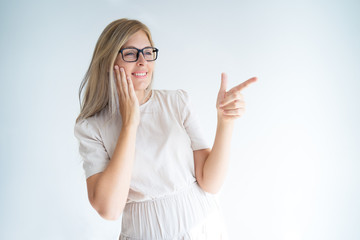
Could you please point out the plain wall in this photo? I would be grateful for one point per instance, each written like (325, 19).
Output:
(294, 171)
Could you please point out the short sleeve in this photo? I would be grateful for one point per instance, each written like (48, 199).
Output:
(91, 148)
(191, 122)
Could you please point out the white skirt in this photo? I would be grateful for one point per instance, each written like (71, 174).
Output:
(190, 214)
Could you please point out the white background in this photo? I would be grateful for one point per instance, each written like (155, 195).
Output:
(294, 171)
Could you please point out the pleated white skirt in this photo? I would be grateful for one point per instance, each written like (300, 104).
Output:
(190, 214)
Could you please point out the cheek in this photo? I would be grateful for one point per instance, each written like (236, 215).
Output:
(125, 67)
(118, 61)
(151, 68)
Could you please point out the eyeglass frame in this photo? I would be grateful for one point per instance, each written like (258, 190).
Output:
(138, 53)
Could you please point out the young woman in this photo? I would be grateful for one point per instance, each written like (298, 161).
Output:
(143, 152)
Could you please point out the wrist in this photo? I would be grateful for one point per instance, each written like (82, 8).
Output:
(224, 119)
(223, 122)
(129, 127)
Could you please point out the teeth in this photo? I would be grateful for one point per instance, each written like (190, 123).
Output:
(139, 74)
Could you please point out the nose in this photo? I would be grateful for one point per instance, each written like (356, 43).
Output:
(141, 60)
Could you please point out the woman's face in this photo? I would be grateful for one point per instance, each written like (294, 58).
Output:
(136, 70)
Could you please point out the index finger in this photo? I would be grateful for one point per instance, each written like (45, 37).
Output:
(117, 78)
(244, 84)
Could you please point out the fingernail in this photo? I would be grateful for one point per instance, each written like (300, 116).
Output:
(116, 67)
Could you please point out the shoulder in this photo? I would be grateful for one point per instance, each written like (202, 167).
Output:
(91, 125)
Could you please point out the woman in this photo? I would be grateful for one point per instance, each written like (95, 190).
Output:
(143, 154)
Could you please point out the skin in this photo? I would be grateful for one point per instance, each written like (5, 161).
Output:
(109, 189)
(211, 164)
(138, 40)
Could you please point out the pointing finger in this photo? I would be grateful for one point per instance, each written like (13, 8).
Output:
(244, 84)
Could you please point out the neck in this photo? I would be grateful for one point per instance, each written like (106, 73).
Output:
(142, 96)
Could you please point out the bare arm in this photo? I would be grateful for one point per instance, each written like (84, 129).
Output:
(211, 164)
(108, 191)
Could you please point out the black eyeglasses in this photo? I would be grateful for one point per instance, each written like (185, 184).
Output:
(131, 54)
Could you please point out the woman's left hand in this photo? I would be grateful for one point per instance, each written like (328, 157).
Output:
(230, 104)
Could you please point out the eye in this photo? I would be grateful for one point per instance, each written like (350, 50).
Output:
(129, 53)
(148, 52)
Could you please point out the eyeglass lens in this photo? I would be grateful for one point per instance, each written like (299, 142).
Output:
(131, 54)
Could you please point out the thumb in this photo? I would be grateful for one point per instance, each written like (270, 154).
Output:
(223, 83)
(222, 91)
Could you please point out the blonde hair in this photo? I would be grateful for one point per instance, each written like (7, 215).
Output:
(100, 87)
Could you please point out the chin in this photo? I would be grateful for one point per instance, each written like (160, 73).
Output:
(141, 87)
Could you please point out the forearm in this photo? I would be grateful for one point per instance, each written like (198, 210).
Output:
(112, 187)
(217, 162)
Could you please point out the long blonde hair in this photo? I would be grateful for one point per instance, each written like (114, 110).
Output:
(100, 87)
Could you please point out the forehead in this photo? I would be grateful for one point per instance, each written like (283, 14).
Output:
(138, 40)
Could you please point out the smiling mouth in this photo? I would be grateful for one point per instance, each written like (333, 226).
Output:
(143, 74)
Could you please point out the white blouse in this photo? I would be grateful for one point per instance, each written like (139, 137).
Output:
(168, 133)
(164, 201)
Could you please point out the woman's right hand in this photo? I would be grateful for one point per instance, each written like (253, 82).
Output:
(128, 102)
